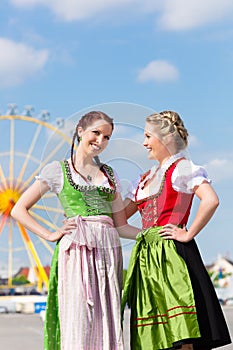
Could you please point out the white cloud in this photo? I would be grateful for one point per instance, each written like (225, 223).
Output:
(193, 140)
(19, 62)
(70, 10)
(22, 3)
(171, 14)
(158, 71)
(220, 169)
(183, 14)
(86, 9)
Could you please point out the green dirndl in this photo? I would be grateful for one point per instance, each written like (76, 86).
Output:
(52, 323)
(159, 293)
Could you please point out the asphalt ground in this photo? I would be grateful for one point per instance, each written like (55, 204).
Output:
(25, 331)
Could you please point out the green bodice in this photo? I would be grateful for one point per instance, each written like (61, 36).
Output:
(86, 200)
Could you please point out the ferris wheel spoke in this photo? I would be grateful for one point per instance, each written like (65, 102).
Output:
(41, 219)
(56, 219)
(29, 153)
(36, 258)
(30, 258)
(49, 195)
(3, 179)
(47, 246)
(12, 145)
(49, 157)
(10, 265)
(3, 222)
(46, 208)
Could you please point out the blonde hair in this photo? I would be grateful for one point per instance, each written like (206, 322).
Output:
(169, 122)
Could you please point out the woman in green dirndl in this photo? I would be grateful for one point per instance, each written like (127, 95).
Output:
(84, 297)
(172, 300)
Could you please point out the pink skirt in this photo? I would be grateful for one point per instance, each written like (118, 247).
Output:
(89, 286)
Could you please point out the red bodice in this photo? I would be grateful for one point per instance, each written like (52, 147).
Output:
(166, 206)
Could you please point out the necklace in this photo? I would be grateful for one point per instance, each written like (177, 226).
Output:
(89, 178)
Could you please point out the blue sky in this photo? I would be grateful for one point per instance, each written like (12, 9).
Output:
(129, 57)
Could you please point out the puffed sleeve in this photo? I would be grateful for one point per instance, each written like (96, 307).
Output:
(52, 174)
(131, 191)
(187, 175)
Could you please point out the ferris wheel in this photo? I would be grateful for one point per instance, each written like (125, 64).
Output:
(27, 143)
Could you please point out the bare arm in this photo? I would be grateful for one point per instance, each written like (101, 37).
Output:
(20, 212)
(120, 220)
(208, 204)
(130, 208)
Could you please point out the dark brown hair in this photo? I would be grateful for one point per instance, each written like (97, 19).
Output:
(85, 121)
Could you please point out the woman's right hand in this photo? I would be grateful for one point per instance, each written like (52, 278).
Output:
(66, 229)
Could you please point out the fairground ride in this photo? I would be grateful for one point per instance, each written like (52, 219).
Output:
(27, 143)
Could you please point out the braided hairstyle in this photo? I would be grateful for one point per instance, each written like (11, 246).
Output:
(170, 122)
(85, 121)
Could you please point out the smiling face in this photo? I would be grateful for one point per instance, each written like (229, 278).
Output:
(155, 144)
(95, 137)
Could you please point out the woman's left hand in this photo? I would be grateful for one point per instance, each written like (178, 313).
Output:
(170, 231)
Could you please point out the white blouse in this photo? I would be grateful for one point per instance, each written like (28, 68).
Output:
(185, 177)
(52, 174)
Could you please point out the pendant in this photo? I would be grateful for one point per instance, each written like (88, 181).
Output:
(89, 178)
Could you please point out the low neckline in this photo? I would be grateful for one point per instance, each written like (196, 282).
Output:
(109, 176)
(85, 178)
(161, 186)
